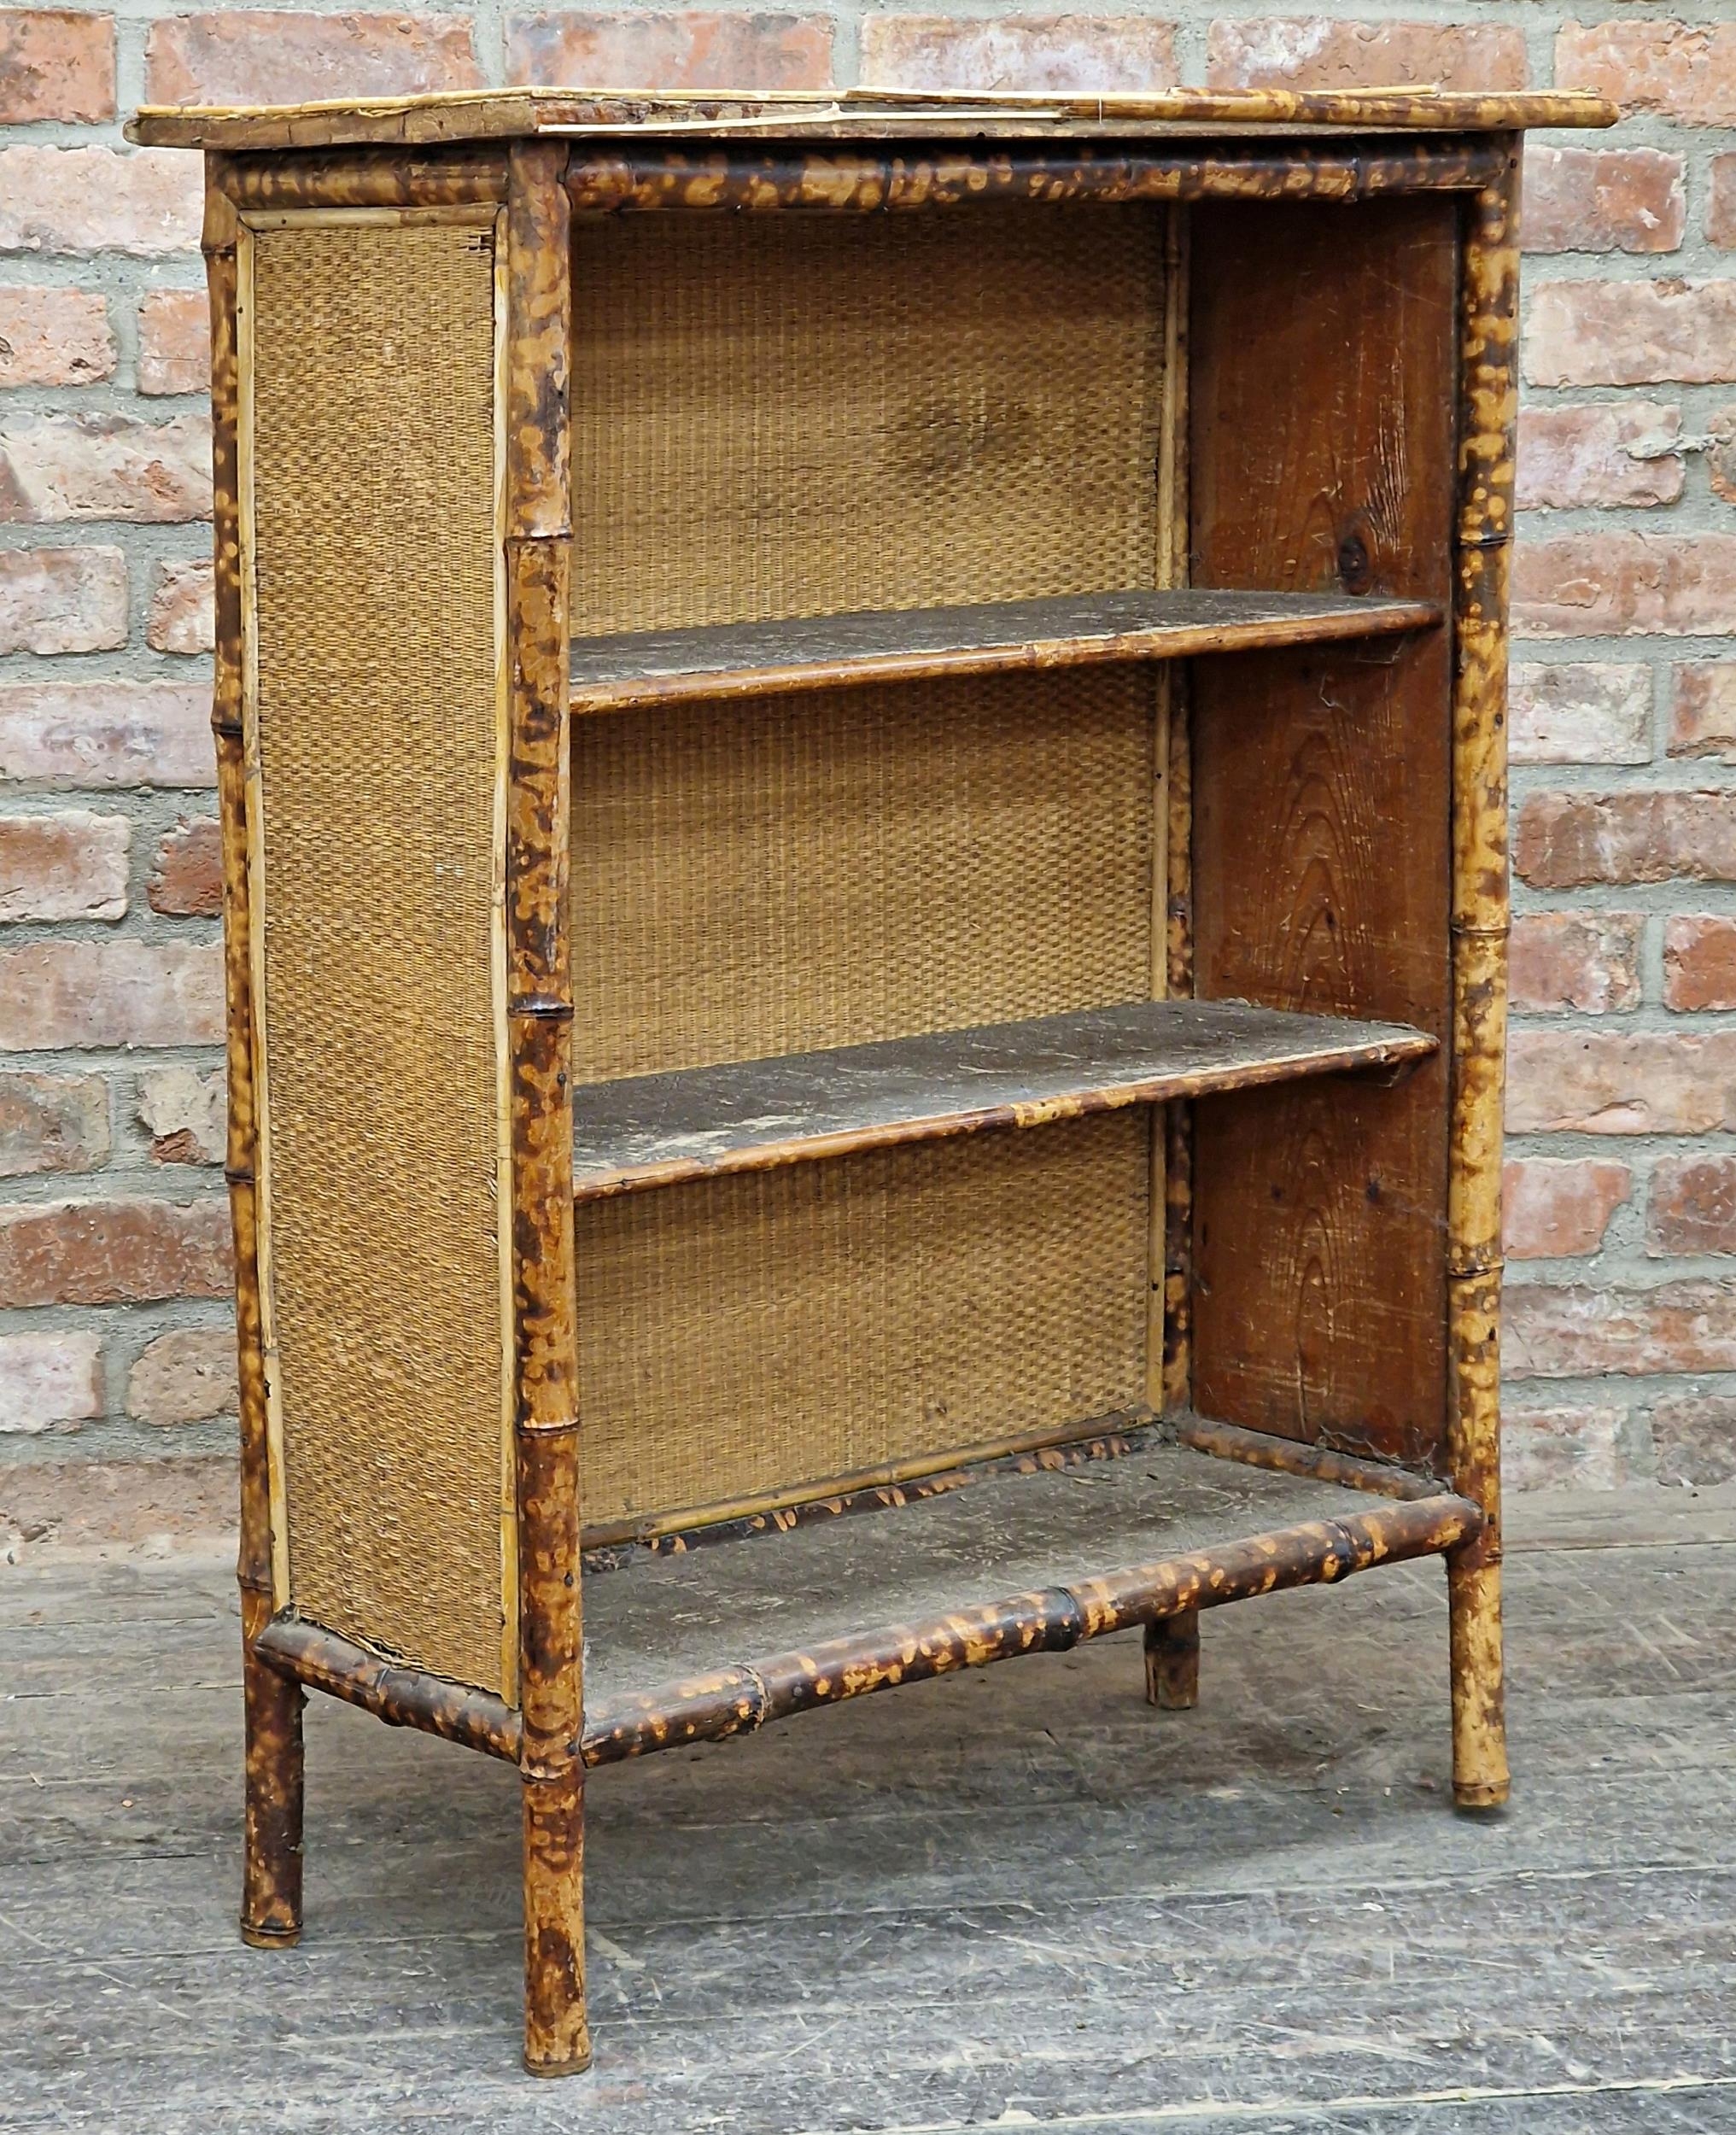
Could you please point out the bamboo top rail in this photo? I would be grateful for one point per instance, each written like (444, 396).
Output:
(757, 659)
(867, 113)
(645, 1131)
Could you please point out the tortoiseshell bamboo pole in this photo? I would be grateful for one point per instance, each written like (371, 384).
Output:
(1488, 392)
(537, 537)
(380, 177)
(271, 1909)
(653, 180)
(1172, 1662)
(1176, 1384)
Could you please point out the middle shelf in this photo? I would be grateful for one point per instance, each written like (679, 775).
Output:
(665, 1130)
(757, 659)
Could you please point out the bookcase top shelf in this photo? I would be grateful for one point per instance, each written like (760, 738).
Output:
(847, 114)
(616, 674)
(750, 1115)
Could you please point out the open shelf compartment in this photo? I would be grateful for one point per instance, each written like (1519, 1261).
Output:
(710, 1642)
(615, 674)
(663, 1130)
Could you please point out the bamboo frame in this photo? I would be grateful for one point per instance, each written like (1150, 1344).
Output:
(542, 1726)
(1488, 399)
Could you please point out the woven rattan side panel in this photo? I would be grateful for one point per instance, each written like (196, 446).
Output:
(800, 415)
(753, 879)
(746, 1335)
(374, 731)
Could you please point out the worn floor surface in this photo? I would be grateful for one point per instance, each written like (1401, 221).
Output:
(1018, 1899)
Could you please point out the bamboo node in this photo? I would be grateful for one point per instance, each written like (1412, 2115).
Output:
(544, 1008)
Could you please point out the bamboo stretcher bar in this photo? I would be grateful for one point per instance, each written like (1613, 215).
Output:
(652, 180)
(1296, 1456)
(402, 1697)
(1489, 393)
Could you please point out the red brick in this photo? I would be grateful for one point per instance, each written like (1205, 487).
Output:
(631, 48)
(52, 1123)
(1322, 52)
(184, 1377)
(57, 467)
(1703, 710)
(1694, 1435)
(1699, 961)
(1059, 52)
(174, 342)
(1720, 202)
(1631, 333)
(108, 993)
(1692, 1208)
(1685, 72)
(113, 1252)
(1602, 200)
(1620, 1082)
(1721, 453)
(54, 338)
(265, 57)
(50, 1381)
(1571, 456)
(1552, 1207)
(1580, 1331)
(187, 876)
(68, 866)
(181, 618)
(185, 1114)
(1580, 962)
(62, 600)
(99, 199)
(1580, 711)
(1564, 840)
(1626, 584)
(107, 733)
(1561, 1448)
(55, 63)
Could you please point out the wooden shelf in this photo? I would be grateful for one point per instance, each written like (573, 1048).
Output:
(706, 1642)
(751, 1115)
(615, 674)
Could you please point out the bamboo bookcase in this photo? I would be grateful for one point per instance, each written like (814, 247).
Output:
(862, 760)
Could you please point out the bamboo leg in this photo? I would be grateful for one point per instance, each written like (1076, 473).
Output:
(1172, 1662)
(1489, 399)
(271, 1908)
(271, 1904)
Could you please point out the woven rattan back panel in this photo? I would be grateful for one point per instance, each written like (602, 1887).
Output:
(753, 879)
(788, 415)
(754, 1332)
(374, 482)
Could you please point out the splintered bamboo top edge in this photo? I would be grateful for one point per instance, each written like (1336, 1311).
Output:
(842, 114)
(615, 674)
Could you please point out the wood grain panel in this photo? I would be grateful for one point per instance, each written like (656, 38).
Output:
(1323, 446)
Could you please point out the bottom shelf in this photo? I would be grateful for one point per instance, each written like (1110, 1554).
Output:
(716, 1641)
(700, 1644)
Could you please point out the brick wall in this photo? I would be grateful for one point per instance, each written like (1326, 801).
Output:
(114, 1335)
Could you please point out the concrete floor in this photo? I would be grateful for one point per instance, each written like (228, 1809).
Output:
(1018, 1899)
